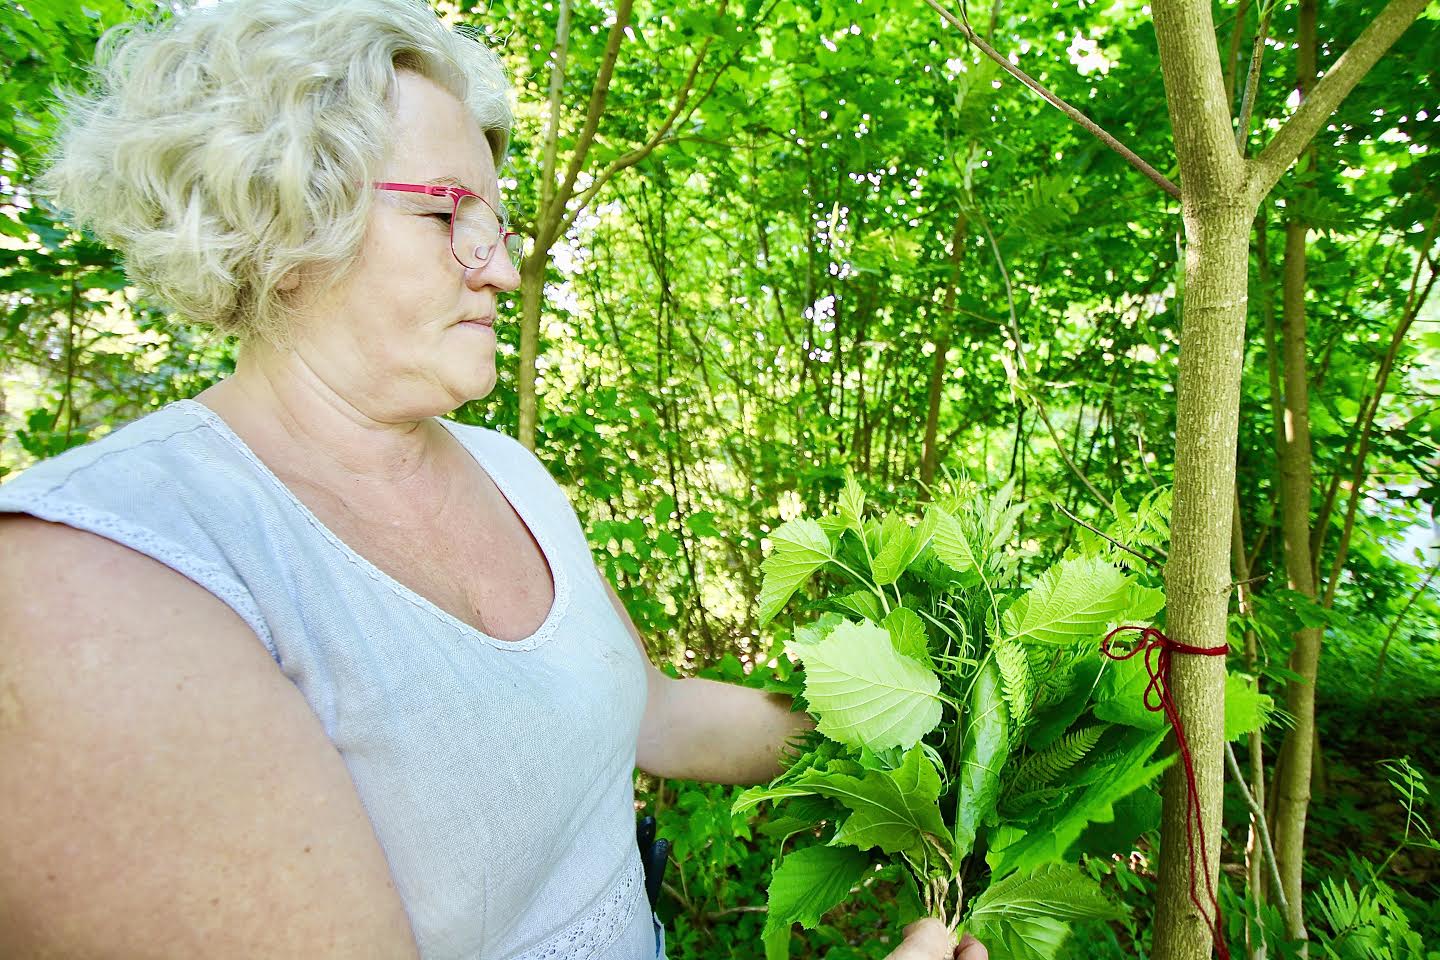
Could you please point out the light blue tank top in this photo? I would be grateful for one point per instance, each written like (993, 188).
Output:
(497, 774)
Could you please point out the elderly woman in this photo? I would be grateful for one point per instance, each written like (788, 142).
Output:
(296, 668)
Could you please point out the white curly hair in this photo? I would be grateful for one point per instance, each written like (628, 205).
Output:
(230, 148)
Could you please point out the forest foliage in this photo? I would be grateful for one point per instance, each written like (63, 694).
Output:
(801, 241)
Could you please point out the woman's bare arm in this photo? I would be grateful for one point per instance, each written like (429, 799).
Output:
(697, 729)
(167, 792)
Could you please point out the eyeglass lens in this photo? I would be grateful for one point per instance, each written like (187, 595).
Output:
(476, 231)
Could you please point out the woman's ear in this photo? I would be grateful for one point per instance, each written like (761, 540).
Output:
(288, 282)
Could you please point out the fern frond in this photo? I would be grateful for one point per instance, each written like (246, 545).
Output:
(1043, 768)
(1016, 806)
(1015, 680)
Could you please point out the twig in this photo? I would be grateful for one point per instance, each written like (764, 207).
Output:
(1252, 79)
(1264, 831)
(1158, 178)
(1148, 559)
(1014, 372)
(1384, 647)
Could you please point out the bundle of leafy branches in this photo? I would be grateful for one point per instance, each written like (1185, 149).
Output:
(973, 742)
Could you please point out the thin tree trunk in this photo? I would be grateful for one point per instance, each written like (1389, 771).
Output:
(1220, 197)
(1292, 786)
(1254, 843)
(1218, 209)
(930, 459)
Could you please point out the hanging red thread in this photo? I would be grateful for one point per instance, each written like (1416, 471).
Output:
(1158, 698)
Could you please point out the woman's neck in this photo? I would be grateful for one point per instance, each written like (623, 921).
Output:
(297, 420)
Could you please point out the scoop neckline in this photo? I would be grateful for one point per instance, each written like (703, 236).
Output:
(558, 575)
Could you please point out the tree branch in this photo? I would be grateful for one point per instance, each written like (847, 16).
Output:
(1283, 149)
(1252, 80)
(550, 219)
(644, 150)
(1399, 619)
(963, 25)
(1154, 562)
(1264, 830)
(552, 123)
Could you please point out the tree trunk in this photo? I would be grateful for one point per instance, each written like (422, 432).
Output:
(930, 459)
(1294, 768)
(1218, 208)
(1220, 195)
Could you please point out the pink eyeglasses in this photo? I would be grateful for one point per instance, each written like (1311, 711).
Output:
(476, 230)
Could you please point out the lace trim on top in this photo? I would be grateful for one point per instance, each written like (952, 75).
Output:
(599, 928)
(540, 532)
(45, 505)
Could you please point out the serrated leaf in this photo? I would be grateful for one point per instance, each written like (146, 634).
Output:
(907, 632)
(862, 603)
(951, 545)
(896, 540)
(1135, 815)
(809, 882)
(894, 810)
(1044, 767)
(819, 630)
(797, 549)
(852, 505)
(1024, 916)
(1246, 709)
(750, 799)
(863, 692)
(1143, 603)
(1050, 836)
(987, 746)
(1074, 600)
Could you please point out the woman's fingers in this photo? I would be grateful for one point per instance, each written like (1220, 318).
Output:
(927, 939)
(971, 949)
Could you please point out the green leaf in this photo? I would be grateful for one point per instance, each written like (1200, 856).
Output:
(907, 632)
(852, 505)
(1120, 696)
(809, 882)
(987, 745)
(1135, 815)
(1053, 721)
(894, 810)
(750, 799)
(819, 630)
(950, 543)
(862, 603)
(1045, 767)
(1074, 600)
(797, 549)
(863, 692)
(1015, 679)
(1023, 916)
(899, 546)
(1246, 709)
(1050, 836)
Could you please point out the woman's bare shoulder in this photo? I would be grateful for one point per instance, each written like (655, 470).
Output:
(168, 792)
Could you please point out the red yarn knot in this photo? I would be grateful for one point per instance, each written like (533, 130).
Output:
(1158, 698)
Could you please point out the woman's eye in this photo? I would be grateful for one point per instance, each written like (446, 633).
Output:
(442, 217)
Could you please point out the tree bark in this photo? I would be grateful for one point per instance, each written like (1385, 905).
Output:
(1220, 194)
(1217, 209)
(1294, 767)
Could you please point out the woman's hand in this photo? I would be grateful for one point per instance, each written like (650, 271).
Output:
(929, 939)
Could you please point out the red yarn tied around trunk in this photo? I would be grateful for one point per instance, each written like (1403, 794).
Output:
(1158, 648)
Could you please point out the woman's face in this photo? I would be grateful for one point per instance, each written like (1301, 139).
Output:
(409, 333)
